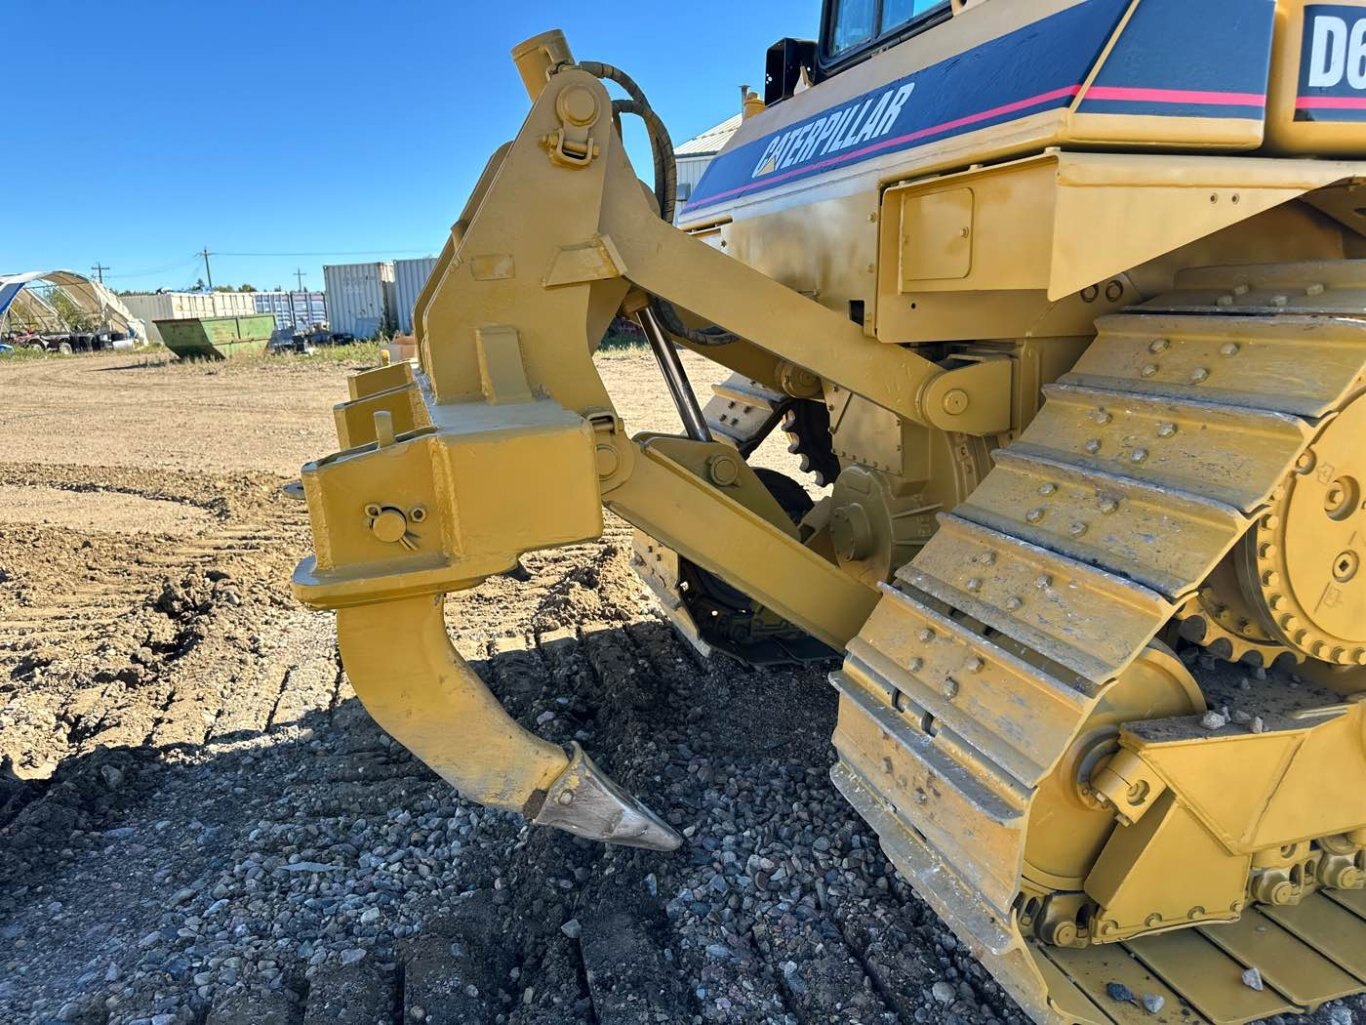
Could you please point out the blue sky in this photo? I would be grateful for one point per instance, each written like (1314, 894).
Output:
(154, 129)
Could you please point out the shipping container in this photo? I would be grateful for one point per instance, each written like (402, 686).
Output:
(360, 298)
(410, 278)
(293, 311)
(151, 307)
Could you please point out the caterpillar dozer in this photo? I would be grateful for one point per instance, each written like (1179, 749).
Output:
(1064, 304)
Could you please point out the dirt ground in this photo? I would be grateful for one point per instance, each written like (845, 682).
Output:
(198, 823)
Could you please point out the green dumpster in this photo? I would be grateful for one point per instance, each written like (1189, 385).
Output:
(217, 337)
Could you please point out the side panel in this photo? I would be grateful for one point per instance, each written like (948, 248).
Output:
(1200, 68)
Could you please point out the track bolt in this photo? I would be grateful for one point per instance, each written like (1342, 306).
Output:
(1044, 582)
(1224, 300)
(1277, 602)
(987, 559)
(1314, 289)
(915, 665)
(1271, 521)
(1199, 375)
(1034, 515)
(950, 688)
(1103, 417)
(1093, 446)
(1048, 489)
(1229, 349)
(1166, 430)
(1267, 551)
(1359, 656)
(926, 635)
(1241, 289)
(1077, 529)
(1271, 578)
(976, 664)
(1015, 604)
(975, 584)
(1150, 370)
(1159, 345)
(1280, 300)
(1138, 455)
(1109, 506)
(567, 797)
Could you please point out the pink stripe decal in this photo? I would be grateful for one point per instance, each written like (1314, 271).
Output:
(947, 126)
(1115, 92)
(1331, 103)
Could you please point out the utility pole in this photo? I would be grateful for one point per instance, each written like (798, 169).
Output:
(298, 273)
(208, 271)
(99, 270)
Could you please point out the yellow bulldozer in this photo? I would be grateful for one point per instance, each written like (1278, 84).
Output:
(1063, 303)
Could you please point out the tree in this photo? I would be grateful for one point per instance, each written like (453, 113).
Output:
(246, 288)
(198, 285)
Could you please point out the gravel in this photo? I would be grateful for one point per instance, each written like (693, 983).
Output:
(283, 861)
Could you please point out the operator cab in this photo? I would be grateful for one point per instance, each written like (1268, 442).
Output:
(851, 31)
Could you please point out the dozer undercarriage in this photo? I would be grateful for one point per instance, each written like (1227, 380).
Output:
(1091, 426)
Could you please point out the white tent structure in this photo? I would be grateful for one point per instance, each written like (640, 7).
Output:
(62, 301)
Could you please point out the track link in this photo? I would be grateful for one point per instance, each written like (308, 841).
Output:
(1147, 465)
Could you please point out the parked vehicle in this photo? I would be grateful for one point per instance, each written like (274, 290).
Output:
(68, 342)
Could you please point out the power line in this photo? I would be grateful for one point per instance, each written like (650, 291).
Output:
(99, 270)
(365, 252)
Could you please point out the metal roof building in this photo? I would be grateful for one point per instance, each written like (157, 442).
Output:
(694, 155)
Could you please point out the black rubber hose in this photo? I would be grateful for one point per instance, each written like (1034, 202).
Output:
(666, 190)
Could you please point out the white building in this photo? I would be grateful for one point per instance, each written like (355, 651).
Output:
(694, 155)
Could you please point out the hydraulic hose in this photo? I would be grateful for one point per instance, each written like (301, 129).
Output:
(666, 191)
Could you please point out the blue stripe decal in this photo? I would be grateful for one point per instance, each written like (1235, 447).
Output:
(1160, 66)
(1190, 46)
(1036, 68)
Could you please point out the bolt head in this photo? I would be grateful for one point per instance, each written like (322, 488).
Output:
(390, 526)
(956, 401)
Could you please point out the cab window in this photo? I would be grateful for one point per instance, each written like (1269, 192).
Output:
(854, 23)
(896, 13)
(852, 27)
